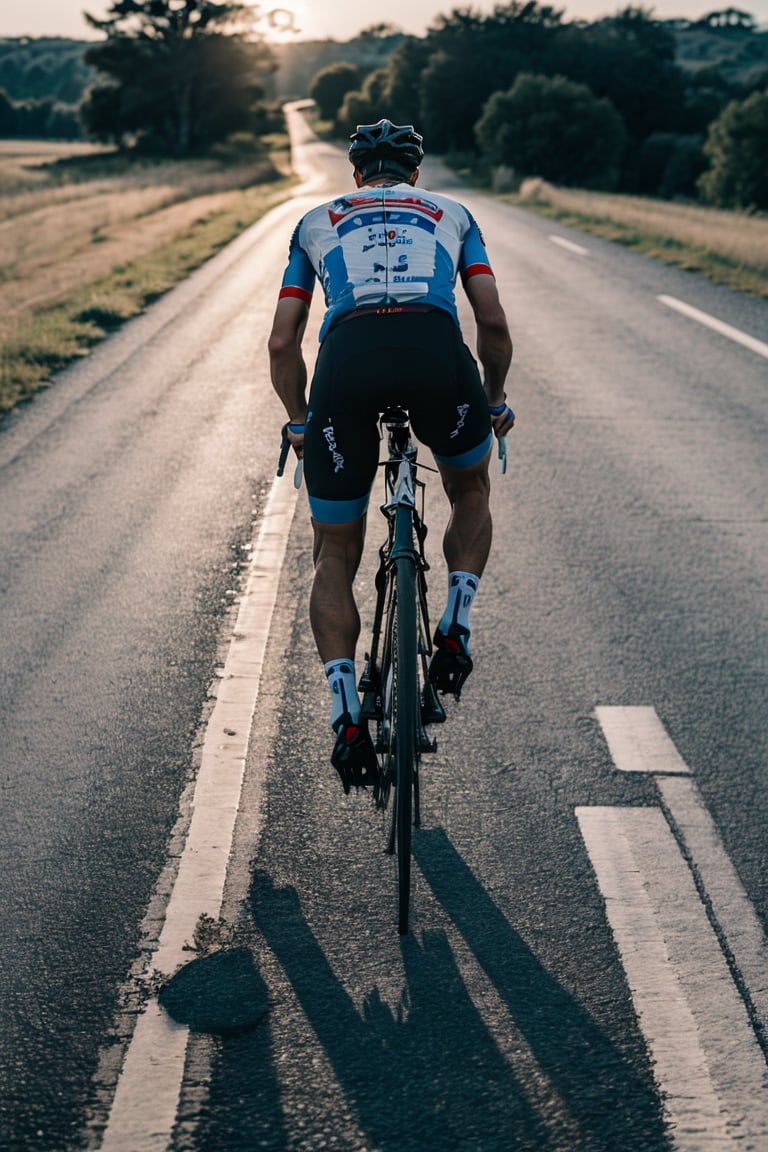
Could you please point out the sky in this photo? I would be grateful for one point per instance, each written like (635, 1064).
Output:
(343, 19)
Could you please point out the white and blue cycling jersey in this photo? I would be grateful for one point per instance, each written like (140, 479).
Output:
(384, 246)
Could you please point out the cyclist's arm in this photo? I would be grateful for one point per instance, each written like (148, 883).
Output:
(494, 343)
(287, 366)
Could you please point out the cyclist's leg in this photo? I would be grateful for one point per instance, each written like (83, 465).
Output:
(468, 535)
(335, 624)
(333, 613)
(466, 545)
(453, 419)
(340, 454)
(449, 411)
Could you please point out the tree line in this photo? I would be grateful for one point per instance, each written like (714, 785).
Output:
(601, 105)
(516, 92)
(41, 85)
(170, 77)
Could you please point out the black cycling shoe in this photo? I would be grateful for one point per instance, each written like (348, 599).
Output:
(353, 756)
(451, 663)
(432, 711)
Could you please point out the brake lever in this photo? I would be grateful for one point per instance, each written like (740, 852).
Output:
(285, 447)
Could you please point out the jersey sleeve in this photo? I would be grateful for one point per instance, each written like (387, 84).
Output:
(474, 258)
(299, 276)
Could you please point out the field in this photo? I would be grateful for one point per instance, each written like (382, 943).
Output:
(728, 247)
(87, 240)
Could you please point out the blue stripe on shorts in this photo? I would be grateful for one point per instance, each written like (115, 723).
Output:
(467, 459)
(338, 511)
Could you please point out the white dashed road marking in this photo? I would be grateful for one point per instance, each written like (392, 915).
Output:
(706, 1059)
(680, 922)
(569, 245)
(638, 741)
(716, 325)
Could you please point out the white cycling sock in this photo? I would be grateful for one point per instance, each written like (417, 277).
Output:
(462, 587)
(343, 684)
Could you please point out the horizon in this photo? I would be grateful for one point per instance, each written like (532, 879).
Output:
(303, 21)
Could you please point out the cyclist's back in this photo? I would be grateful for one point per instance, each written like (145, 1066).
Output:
(386, 245)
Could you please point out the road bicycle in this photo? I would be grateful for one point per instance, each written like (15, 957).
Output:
(395, 688)
(396, 692)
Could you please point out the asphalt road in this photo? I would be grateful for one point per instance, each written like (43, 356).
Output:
(629, 571)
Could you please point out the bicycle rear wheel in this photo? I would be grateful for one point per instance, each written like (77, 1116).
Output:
(405, 697)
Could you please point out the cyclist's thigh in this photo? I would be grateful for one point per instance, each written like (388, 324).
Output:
(448, 405)
(341, 441)
(460, 480)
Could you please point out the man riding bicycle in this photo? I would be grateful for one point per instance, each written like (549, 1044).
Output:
(388, 258)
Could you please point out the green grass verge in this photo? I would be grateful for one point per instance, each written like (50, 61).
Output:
(46, 341)
(693, 259)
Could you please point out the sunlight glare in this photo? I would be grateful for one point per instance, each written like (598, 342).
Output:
(283, 23)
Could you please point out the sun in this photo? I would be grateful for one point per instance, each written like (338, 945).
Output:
(277, 23)
(283, 21)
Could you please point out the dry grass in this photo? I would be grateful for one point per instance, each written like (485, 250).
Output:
(61, 227)
(23, 163)
(84, 245)
(729, 247)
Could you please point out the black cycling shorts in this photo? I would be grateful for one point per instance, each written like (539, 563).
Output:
(415, 360)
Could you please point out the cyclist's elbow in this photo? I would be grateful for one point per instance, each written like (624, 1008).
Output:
(492, 318)
(284, 341)
(493, 331)
(282, 346)
(282, 337)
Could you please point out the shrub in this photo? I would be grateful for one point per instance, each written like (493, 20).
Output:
(737, 149)
(551, 127)
(331, 85)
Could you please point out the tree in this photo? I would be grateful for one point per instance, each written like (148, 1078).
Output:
(331, 85)
(471, 57)
(667, 164)
(404, 79)
(729, 18)
(180, 73)
(737, 149)
(447, 114)
(550, 127)
(8, 120)
(629, 59)
(367, 105)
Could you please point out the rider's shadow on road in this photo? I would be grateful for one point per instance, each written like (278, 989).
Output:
(430, 1075)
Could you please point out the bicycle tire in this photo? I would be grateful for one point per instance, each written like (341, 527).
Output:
(405, 699)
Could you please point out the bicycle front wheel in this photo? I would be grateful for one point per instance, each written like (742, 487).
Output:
(404, 705)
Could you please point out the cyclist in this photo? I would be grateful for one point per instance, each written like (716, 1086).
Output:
(388, 257)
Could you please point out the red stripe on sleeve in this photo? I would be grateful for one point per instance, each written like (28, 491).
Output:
(297, 293)
(477, 270)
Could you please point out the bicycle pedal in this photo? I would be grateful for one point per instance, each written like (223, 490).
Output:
(370, 707)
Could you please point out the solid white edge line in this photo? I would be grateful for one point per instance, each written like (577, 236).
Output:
(569, 245)
(706, 1060)
(144, 1107)
(716, 325)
